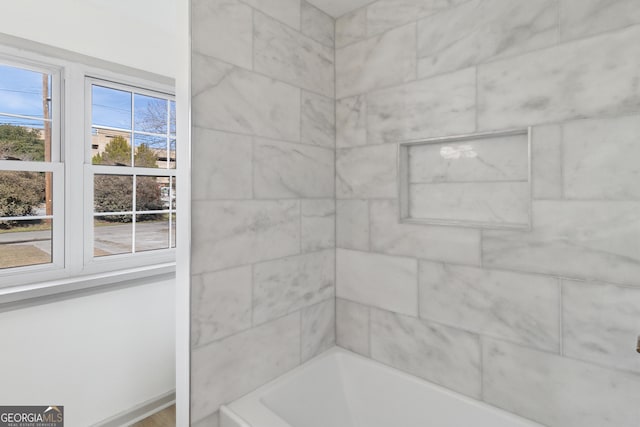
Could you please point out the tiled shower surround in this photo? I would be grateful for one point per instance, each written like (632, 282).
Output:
(542, 323)
(263, 243)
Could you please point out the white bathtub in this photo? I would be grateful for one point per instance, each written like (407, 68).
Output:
(342, 389)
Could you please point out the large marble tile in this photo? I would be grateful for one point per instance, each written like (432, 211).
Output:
(382, 281)
(289, 170)
(377, 62)
(386, 14)
(283, 286)
(500, 204)
(582, 18)
(352, 224)
(446, 244)
(546, 162)
(352, 326)
(366, 172)
(286, 11)
(517, 307)
(222, 165)
(317, 24)
(318, 120)
(318, 224)
(287, 55)
(601, 159)
(601, 323)
(351, 121)
(223, 29)
(556, 391)
(230, 234)
(351, 27)
(220, 304)
(573, 80)
(440, 106)
(446, 356)
(580, 239)
(502, 158)
(227, 369)
(318, 330)
(518, 27)
(224, 98)
(479, 30)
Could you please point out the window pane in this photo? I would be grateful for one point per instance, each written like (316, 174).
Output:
(25, 243)
(111, 107)
(25, 193)
(172, 154)
(150, 114)
(151, 151)
(24, 92)
(172, 117)
(173, 230)
(173, 193)
(24, 139)
(113, 193)
(152, 232)
(149, 193)
(112, 235)
(110, 147)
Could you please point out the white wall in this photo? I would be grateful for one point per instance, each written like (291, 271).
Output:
(97, 355)
(139, 33)
(102, 354)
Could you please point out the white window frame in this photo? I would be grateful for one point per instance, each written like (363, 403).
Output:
(71, 269)
(90, 170)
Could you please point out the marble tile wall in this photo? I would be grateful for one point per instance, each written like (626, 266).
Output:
(297, 243)
(544, 322)
(264, 211)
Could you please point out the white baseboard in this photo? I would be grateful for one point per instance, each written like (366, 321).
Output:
(139, 412)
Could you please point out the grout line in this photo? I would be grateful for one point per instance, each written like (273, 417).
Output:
(268, 138)
(278, 20)
(264, 261)
(496, 268)
(258, 73)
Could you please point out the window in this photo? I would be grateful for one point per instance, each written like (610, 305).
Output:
(87, 170)
(31, 174)
(133, 169)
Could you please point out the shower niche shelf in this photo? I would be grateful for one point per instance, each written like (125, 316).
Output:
(478, 180)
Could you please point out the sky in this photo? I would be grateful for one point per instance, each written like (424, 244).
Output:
(21, 93)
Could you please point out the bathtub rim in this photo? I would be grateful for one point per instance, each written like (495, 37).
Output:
(254, 398)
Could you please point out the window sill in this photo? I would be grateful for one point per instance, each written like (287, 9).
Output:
(40, 293)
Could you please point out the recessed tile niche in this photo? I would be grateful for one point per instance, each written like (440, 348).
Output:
(480, 180)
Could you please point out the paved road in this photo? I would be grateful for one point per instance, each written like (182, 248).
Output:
(112, 239)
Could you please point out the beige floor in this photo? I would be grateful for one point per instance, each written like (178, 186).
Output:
(164, 418)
